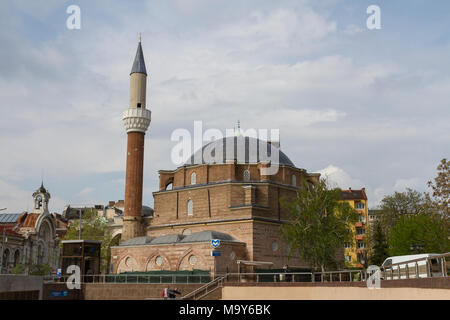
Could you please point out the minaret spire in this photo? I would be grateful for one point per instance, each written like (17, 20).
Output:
(136, 120)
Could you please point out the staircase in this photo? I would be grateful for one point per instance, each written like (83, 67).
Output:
(205, 290)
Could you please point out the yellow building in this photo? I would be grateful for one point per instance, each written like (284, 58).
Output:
(356, 252)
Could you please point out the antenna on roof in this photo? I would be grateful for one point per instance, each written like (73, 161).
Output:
(239, 128)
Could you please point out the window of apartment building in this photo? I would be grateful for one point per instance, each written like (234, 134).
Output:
(359, 205)
(294, 180)
(190, 207)
(246, 175)
(348, 258)
(362, 219)
(193, 178)
(360, 245)
(360, 231)
(347, 245)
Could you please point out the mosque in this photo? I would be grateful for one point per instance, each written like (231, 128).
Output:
(233, 200)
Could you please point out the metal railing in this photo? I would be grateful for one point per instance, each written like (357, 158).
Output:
(326, 276)
(139, 279)
(206, 289)
(434, 266)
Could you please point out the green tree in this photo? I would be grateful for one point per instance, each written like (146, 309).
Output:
(399, 204)
(441, 189)
(319, 224)
(93, 227)
(380, 248)
(431, 231)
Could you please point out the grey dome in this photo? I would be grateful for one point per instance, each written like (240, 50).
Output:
(225, 149)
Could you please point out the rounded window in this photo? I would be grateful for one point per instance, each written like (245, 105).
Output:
(274, 246)
(192, 259)
(159, 261)
(193, 178)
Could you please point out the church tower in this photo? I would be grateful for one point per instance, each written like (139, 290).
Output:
(136, 120)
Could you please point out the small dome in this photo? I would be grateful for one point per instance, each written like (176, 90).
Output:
(226, 149)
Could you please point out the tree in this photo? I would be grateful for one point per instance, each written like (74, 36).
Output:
(93, 227)
(441, 189)
(431, 231)
(393, 207)
(319, 224)
(380, 248)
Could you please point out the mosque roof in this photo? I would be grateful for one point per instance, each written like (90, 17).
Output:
(203, 236)
(226, 149)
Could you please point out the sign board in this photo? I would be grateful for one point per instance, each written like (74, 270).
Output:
(215, 243)
(58, 273)
(64, 293)
(216, 253)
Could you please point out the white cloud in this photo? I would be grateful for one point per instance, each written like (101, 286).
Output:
(339, 177)
(85, 191)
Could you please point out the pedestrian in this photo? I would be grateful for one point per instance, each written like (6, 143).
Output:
(165, 293)
(288, 276)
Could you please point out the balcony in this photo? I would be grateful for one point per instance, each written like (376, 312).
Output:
(359, 237)
(358, 224)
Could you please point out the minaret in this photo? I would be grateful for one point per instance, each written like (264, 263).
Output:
(136, 120)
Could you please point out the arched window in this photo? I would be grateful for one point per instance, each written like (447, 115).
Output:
(169, 186)
(246, 175)
(16, 258)
(40, 254)
(190, 207)
(193, 178)
(294, 180)
(5, 258)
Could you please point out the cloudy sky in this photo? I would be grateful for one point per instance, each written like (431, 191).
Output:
(369, 108)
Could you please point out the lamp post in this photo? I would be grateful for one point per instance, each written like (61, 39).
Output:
(79, 229)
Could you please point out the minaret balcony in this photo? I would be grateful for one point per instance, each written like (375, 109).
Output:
(136, 119)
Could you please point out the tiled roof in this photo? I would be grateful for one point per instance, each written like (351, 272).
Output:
(29, 220)
(354, 194)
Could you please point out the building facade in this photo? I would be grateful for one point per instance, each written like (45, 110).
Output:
(230, 197)
(356, 251)
(31, 238)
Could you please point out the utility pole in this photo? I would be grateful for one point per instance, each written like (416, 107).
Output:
(79, 229)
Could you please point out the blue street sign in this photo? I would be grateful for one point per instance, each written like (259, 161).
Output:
(215, 243)
(58, 273)
(216, 253)
(59, 293)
